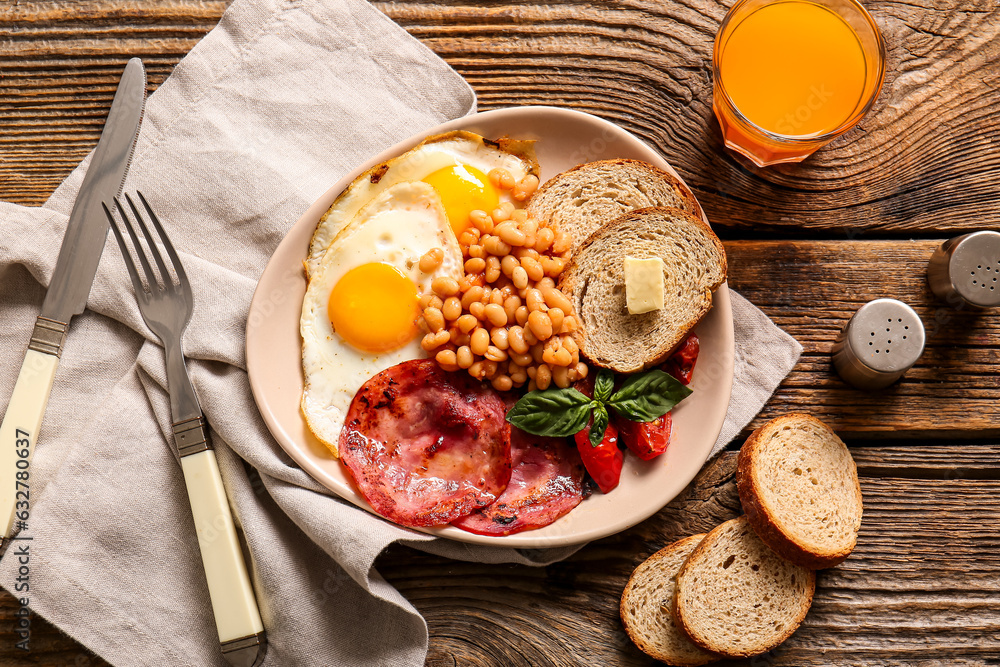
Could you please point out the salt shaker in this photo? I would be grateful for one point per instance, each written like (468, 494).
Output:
(880, 342)
(965, 271)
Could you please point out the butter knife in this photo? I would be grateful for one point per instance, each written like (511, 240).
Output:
(67, 295)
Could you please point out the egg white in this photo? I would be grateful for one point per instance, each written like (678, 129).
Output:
(414, 165)
(397, 227)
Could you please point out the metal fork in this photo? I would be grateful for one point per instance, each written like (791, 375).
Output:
(166, 306)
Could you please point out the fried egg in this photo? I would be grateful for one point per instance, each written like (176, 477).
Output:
(456, 164)
(359, 314)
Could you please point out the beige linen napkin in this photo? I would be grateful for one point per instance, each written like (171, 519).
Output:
(273, 106)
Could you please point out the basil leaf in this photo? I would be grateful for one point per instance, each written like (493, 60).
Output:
(599, 426)
(604, 385)
(555, 413)
(646, 397)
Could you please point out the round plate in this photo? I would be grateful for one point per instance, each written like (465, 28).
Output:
(565, 139)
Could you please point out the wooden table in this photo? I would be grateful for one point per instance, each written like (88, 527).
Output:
(808, 244)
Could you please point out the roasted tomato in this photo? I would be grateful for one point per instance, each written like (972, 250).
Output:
(604, 461)
(647, 440)
(681, 363)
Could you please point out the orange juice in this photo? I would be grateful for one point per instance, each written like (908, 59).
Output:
(794, 68)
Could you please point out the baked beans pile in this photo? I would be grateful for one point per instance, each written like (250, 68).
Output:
(505, 321)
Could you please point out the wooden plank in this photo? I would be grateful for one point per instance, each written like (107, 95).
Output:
(920, 163)
(923, 582)
(811, 289)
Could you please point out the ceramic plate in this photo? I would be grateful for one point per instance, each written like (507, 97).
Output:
(565, 138)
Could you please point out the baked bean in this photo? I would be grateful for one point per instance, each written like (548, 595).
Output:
(510, 306)
(489, 368)
(492, 268)
(464, 357)
(569, 324)
(478, 310)
(500, 337)
(501, 178)
(531, 371)
(533, 268)
(581, 370)
(535, 300)
(496, 315)
(510, 234)
(525, 187)
(543, 239)
(434, 319)
(494, 245)
(515, 338)
(475, 265)
(500, 214)
(569, 343)
(530, 228)
(519, 376)
(482, 221)
(556, 299)
(480, 341)
(540, 325)
(521, 359)
(474, 294)
(467, 323)
(496, 298)
(508, 263)
(543, 377)
(446, 357)
(458, 338)
(549, 356)
(494, 353)
(560, 376)
(425, 299)
(477, 370)
(563, 357)
(556, 315)
(561, 243)
(502, 382)
(477, 251)
(445, 286)
(467, 238)
(521, 315)
(452, 308)
(553, 266)
(529, 336)
(431, 259)
(432, 341)
(520, 216)
(519, 276)
(467, 282)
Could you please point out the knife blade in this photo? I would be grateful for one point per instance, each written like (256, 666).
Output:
(76, 266)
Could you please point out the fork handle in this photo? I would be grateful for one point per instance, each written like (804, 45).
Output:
(19, 432)
(237, 617)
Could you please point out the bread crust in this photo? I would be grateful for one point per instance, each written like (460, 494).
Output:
(684, 623)
(761, 520)
(635, 636)
(682, 189)
(573, 271)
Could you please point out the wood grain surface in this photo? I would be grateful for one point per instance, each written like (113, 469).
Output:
(807, 243)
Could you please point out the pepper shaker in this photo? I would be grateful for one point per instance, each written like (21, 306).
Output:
(965, 271)
(880, 342)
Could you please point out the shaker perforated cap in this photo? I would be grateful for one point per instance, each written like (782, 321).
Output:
(965, 271)
(882, 341)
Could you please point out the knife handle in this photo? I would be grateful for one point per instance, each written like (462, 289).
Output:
(237, 617)
(19, 432)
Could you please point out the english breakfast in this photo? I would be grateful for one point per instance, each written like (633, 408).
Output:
(447, 322)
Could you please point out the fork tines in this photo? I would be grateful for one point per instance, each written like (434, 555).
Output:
(164, 280)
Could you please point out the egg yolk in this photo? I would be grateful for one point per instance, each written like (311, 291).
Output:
(374, 307)
(463, 189)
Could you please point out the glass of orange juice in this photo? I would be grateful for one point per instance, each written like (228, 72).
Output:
(791, 75)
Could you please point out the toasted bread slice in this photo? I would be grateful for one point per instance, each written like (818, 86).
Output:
(738, 598)
(799, 488)
(584, 198)
(650, 625)
(694, 265)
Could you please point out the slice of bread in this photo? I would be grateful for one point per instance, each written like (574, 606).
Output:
(799, 488)
(694, 265)
(584, 198)
(738, 598)
(648, 624)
